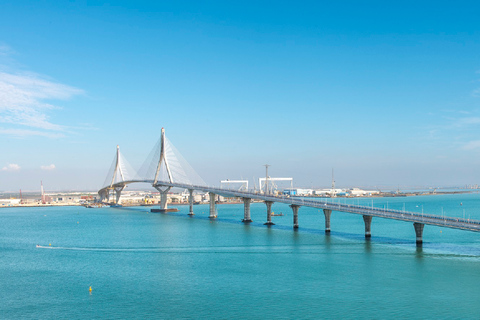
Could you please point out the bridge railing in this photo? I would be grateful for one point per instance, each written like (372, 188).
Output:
(365, 210)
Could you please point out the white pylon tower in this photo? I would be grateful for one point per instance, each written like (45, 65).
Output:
(118, 170)
(163, 159)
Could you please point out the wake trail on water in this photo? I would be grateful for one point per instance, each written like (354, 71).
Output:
(226, 249)
(434, 251)
(265, 250)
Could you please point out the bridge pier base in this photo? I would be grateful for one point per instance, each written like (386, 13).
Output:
(105, 195)
(118, 193)
(246, 210)
(368, 224)
(102, 196)
(213, 214)
(419, 232)
(327, 213)
(190, 202)
(269, 213)
(295, 215)
(163, 197)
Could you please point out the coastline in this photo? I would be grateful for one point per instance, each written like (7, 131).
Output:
(381, 195)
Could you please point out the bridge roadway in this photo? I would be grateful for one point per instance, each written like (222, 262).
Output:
(419, 219)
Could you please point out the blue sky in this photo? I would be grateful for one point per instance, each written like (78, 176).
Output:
(387, 93)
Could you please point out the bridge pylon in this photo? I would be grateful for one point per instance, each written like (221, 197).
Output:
(163, 160)
(117, 173)
(118, 168)
(115, 182)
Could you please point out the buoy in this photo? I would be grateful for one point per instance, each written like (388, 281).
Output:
(49, 244)
(90, 289)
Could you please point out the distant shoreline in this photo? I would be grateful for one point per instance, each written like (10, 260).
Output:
(382, 195)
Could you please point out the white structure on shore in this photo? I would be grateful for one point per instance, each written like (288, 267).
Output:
(356, 192)
(10, 202)
(353, 192)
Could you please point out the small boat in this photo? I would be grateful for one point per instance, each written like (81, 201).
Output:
(277, 214)
(164, 210)
(96, 205)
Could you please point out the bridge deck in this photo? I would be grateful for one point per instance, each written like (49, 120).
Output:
(448, 222)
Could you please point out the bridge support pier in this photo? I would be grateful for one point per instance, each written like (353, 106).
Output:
(327, 213)
(368, 224)
(163, 197)
(295, 215)
(118, 193)
(190, 202)
(419, 232)
(246, 210)
(104, 195)
(213, 214)
(269, 213)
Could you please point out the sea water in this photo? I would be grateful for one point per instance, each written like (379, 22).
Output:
(171, 266)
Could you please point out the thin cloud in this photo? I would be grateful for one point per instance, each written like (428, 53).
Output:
(472, 145)
(22, 100)
(460, 123)
(469, 120)
(25, 100)
(5, 50)
(11, 167)
(476, 93)
(24, 133)
(48, 168)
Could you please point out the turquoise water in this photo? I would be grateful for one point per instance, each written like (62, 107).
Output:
(171, 266)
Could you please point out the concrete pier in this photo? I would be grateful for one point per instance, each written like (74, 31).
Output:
(269, 213)
(327, 213)
(103, 196)
(190, 202)
(295, 215)
(368, 224)
(419, 232)
(246, 210)
(163, 197)
(213, 214)
(118, 193)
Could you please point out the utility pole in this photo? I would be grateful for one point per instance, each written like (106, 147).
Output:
(266, 178)
(333, 194)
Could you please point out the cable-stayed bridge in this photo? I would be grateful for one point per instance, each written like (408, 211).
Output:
(165, 168)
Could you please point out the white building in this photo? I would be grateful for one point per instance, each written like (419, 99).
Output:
(9, 202)
(356, 192)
